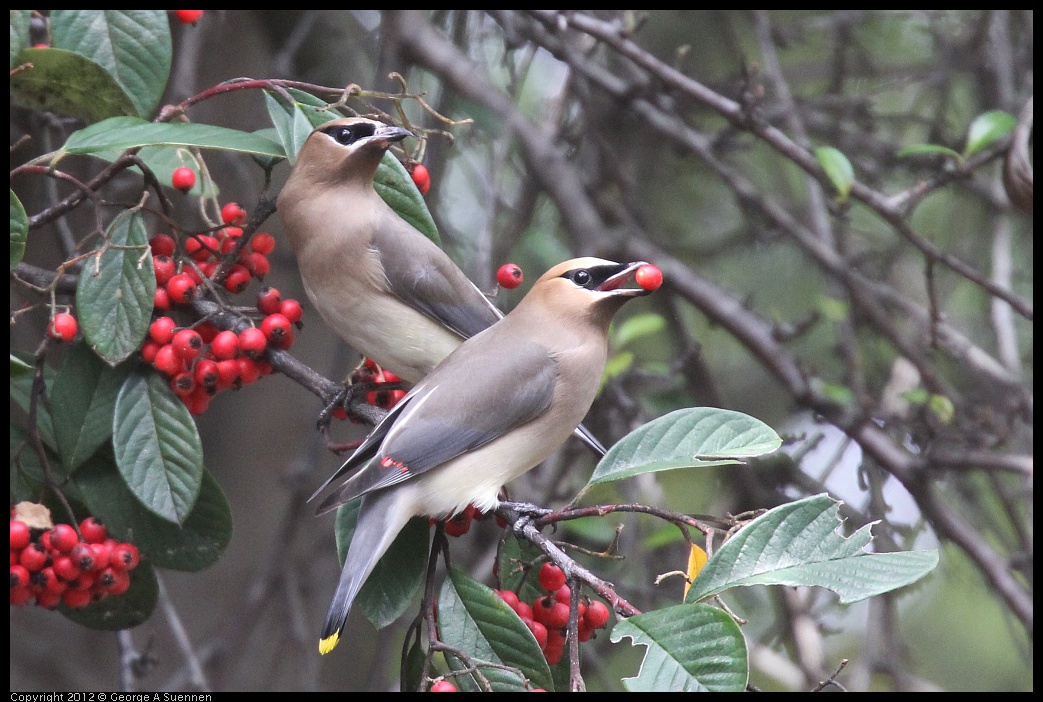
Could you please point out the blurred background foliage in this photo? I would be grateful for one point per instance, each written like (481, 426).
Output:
(887, 336)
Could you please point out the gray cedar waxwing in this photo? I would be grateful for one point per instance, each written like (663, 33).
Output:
(386, 289)
(492, 410)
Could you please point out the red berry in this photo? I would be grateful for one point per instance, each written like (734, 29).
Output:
(523, 610)
(558, 616)
(167, 360)
(541, 609)
(257, 264)
(248, 370)
(20, 596)
(459, 525)
(208, 331)
(228, 374)
(162, 245)
(276, 328)
(232, 213)
(19, 576)
(76, 599)
(292, 310)
(161, 300)
(187, 343)
(162, 330)
(509, 276)
(225, 345)
(540, 632)
(125, 557)
(648, 277)
(82, 556)
(33, 557)
(183, 179)
(164, 268)
(232, 232)
(551, 577)
(183, 384)
(63, 538)
(421, 178)
(188, 16)
(252, 342)
(238, 279)
(262, 243)
(510, 597)
(200, 246)
(199, 400)
(443, 686)
(20, 534)
(94, 532)
(63, 327)
(206, 374)
(65, 568)
(596, 615)
(182, 288)
(269, 300)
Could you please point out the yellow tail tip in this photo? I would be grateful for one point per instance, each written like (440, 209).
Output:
(329, 643)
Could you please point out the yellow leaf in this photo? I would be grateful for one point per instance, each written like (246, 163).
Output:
(696, 561)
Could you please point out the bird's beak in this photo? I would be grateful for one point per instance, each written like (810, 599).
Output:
(614, 283)
(389, 134)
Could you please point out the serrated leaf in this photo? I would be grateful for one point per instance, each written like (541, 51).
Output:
(475, 620)
(193, 546)
(19, 230)
(133, 46)
(124, 611)
(116, 291)
(838, 169)
(131, 132)
(691, 648)
(19, 33)
(157, 446)
(798, 544)
(291, 125)
(987, 128)
(83, 398)
(694, 437)
(69, 84)
(393, 183)
(398, 575)
(931, 149)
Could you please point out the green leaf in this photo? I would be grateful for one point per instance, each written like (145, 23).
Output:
(83, 399)
(637, 327)
(157, 446)
(130, 133)
(133, 46)
(291, 125)
(21, 385)
(838, 169)
(393, 183)
(18, 367)
(987, 128)
(474, 619)
(693, 437)
(124, 611)
(116, 290)
(314, 108)
(19, 33)
(798, 544)
(920, 149)
(691, 648)
(19, 230)
(193, 546)
(398, 575)
(67, 83)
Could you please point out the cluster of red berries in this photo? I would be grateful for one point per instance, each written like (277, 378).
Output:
(202, 360)
(370, 372)
(548, 615)
(55, 566)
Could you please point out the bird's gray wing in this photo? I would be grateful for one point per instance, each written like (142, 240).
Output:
(459, 407)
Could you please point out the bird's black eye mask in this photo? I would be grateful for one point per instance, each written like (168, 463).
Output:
(346, 134)
(594, 277)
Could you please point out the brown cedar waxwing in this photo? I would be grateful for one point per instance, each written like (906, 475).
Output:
(493, 409)
(386, 289)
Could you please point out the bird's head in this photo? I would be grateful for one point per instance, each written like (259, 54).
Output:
(589, 287)
(347, 148)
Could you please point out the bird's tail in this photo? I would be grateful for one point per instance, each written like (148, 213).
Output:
(380, 520)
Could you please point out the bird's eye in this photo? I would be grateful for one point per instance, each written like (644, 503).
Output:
(581, 278)
(348, 134)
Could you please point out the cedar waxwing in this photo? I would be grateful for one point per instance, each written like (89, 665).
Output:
(386, 289)
(493, 409)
